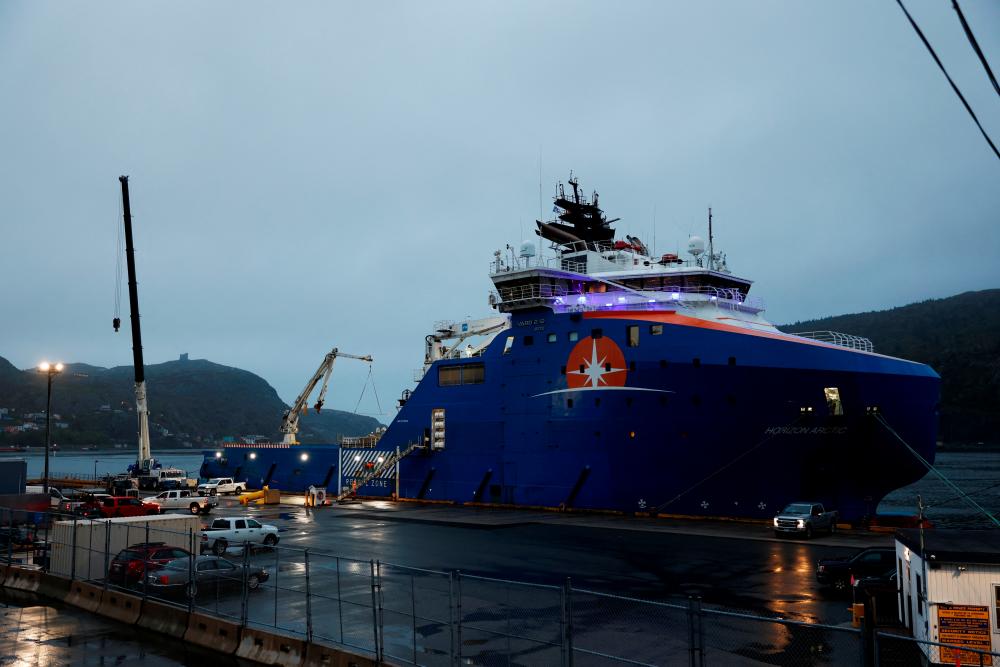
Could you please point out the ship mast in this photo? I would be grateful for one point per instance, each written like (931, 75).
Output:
(711, 248)
(141, 407)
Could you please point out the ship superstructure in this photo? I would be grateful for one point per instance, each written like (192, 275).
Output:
(613, 378)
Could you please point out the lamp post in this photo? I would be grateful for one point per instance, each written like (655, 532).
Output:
(50, 370)
(96, 461)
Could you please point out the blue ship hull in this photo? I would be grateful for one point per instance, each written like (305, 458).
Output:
(703, 420)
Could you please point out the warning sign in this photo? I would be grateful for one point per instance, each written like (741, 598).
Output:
(967, 626)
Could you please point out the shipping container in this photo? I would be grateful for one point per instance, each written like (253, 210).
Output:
(96, 542)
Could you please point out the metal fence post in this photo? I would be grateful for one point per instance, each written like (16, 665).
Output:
(378, 657)
(309, 616)
(145, 571)
(107, 547)
(72, 558)
(413, 615)
(245, 596)
(451, 616)
(381, 615)
(277, 568)
(191, 585)
(340, 603)
(567, 596)
(458, 615)
(699, 618)
(10, 536)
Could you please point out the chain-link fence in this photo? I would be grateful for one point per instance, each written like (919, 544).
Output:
(406, 615)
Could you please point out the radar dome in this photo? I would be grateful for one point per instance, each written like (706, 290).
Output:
(696, 245)
(527, 249)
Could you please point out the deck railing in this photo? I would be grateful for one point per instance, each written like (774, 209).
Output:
(849, 341)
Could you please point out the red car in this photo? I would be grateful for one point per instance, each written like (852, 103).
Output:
(113, 506)
(129, 566)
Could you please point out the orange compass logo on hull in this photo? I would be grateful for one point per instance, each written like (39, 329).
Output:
(595, 363)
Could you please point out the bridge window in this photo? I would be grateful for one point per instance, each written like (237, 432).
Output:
(833, 402)
(655, 329)
(529, 340)
(632, 335)
(449, 376)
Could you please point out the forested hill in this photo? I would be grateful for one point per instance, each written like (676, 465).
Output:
(191, 401)
(959, 337)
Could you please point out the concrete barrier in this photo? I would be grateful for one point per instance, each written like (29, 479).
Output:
(53, 586)
(270, 649)
(120, 606)
(214, 633)
(321, 655)
(22, 579)
(84, 595)
(165, 618)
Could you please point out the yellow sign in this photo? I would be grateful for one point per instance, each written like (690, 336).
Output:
(967, 626)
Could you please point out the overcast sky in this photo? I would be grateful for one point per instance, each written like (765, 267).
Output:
(311, 175)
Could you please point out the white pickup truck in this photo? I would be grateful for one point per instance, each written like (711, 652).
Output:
(233, 531)
(221, 485)
(184, 500)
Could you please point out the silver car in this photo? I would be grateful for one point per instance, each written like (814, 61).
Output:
(211, 573)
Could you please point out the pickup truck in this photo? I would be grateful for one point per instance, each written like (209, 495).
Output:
(234, 531)
(804, 519)
(112, 506)
(56, 496)
(221, 485)
(837, 573)
(186, 500)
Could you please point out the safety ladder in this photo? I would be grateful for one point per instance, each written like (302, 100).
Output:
(377, 469)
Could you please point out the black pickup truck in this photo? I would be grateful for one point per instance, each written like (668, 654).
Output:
(838, 572)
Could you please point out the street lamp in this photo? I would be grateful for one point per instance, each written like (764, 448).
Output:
(51, 370)
(96, 461)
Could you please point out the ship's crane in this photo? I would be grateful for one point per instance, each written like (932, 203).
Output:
(459, 332)
(290, 420)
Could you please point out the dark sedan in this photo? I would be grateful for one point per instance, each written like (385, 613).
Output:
(212, 573)
(839, 572)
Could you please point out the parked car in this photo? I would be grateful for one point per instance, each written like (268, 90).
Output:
(221, 485)
(235, 531)
(115, 506)
(184, 499)
(75, 501)
(211, 574)
(804, 519)
(837, 573)
(130, 565)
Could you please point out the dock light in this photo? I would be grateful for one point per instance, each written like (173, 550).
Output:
(357, 457)
(253, 455)
(218, 455)
(652, 300)
(621, 299)
(581, 299)
(51, 370)
(380, 459)
(675, 295)
(304, 457)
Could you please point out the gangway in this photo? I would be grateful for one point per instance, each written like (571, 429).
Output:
(377, 469)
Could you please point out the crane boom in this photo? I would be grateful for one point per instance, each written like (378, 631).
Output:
(290, 420)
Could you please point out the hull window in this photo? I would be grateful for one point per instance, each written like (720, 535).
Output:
(552, 338)
(573, 336)
(632, 335)
(509, 344)
(597, 333)
(655, 329)
(529, 340)
(833, 402)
